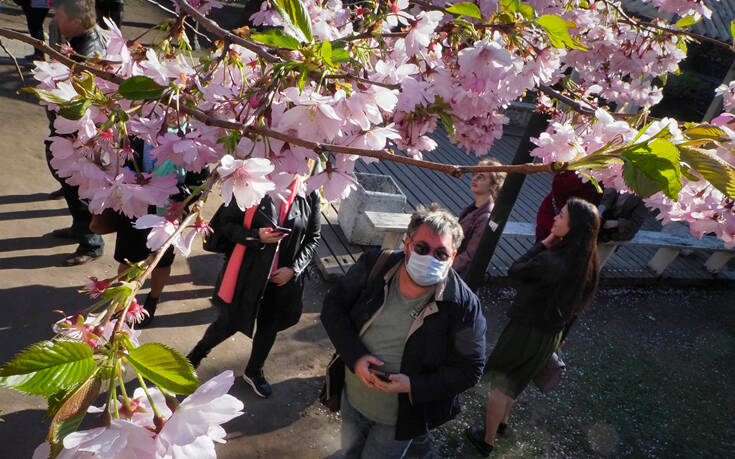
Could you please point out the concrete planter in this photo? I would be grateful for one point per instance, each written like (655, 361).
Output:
(374, 192)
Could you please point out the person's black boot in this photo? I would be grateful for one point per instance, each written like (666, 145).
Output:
(196, 356)
(150, 305)
(257, 381)
(476, 435)
(501, 428)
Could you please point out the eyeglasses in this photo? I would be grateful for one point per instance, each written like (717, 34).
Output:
(422, 248)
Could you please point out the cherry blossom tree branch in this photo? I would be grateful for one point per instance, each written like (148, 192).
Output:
(155, 258)
(15, 62)
(347, 76)
(173, 13)
(386, 155)
(645, 24)
(212, 26)
(372, 35)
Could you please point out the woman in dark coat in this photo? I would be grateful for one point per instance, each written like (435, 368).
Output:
(474, 217)
(558, 277)
(269, 283)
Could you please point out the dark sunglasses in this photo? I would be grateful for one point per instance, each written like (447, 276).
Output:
(422, 248)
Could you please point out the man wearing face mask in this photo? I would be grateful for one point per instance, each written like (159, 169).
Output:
(411, 334)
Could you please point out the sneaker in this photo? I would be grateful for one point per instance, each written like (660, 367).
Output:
(259, 384)
(476, 435)
(77, 259)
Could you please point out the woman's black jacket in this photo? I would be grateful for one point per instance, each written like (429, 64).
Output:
(443, 357)
(538, 272)
(296, 251)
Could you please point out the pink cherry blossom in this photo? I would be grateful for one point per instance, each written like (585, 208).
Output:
(246, 180)
(120, 440)
(199, 415)
(419, 36)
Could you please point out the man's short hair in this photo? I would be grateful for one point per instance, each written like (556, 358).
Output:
(78, 9)
(439, 220)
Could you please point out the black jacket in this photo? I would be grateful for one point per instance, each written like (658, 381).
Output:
(296, 251)
(629, 211)
(538, 271)
(445, 350)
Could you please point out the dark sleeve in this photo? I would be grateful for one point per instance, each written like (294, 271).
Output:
(529, 266)
(462, 260)
(630, 224)
(338, 303)
(465, 362)
(312, 237)
(233, 230)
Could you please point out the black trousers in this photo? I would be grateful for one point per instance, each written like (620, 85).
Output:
(34, 19)
(109, 9)
(222, 328)
(89, 243)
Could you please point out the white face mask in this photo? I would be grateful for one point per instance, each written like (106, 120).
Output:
(426, 270)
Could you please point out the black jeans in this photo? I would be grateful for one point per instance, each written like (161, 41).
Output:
(265, 336)
(34, 19)
(109, 9)
(89, 243)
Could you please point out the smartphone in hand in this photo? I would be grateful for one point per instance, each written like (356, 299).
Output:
(282, 230)
(380, 373)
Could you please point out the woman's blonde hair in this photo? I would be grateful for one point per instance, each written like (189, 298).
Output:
(496, 178)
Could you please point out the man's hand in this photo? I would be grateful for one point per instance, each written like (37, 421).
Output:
(610, 224)
(362, 370)
(281, 276)
(399, 383)
(270, 235)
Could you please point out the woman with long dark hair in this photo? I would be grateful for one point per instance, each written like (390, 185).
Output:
(558, 277)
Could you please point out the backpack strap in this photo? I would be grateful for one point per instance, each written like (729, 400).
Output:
(379, 263)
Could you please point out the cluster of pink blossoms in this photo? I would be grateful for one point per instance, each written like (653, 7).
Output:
(468, 88)
(189, 431)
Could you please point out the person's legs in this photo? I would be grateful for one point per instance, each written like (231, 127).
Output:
(218, 331)
(496, 412)
(265, 336)
(381, 442)
(355, 430)
(90, 245)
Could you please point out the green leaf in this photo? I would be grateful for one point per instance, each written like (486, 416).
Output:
(164, 367)
(466, 9)
(592, 162)
(276, 37)
(340, 54)
(75, 109)
(593, 181)
(298, 16)
(58, 431)
(707, 131)
(557, 30)
(140, 88)
(45, 96)
(687, 21)
(73, 409)
(712, 168)
(302, 79)
(48, 367)
(448, 122)
(653, 167)
(325, 51)
(732, 30)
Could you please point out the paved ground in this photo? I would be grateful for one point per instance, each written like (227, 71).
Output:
(291, 424)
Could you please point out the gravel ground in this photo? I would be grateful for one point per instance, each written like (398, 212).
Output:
(648, 372)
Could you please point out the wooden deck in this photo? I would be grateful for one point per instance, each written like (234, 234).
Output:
(423, 186)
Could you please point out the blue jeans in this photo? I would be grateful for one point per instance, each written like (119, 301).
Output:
(363, 438)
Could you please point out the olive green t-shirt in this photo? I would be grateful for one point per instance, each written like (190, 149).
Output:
(385, 338)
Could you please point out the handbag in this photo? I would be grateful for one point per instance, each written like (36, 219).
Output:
(334, 380)
(215, 242)
(550, 377)
(104, 223)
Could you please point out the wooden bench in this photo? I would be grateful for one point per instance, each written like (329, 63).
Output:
(669, 245)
